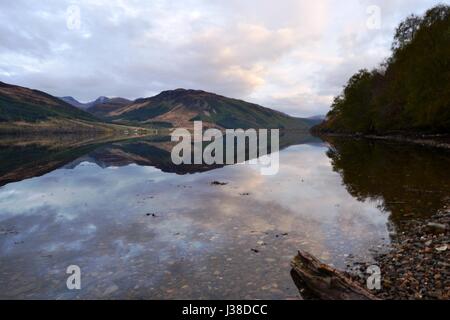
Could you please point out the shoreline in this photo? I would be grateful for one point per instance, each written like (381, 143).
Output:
(441, 141)
(57, 126)
(417, 265)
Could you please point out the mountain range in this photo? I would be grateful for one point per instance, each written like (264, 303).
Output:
(21, 106)
(100, 106)
(180, 107)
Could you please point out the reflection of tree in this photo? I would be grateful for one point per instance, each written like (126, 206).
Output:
(409, 181)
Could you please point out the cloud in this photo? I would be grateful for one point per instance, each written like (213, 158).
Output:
(290, 55)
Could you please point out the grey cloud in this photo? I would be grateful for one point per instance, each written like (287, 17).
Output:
(139, 48)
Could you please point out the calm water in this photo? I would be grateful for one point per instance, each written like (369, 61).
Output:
(140, 228)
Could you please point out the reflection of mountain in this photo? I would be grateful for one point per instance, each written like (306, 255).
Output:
(152, 151)
(409, 181)
(22, 159)
(156, 151)
(27, 157)
(30, 158)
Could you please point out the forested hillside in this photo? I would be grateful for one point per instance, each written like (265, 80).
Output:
(409, 92)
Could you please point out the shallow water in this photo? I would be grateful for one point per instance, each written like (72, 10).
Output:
(139, 228)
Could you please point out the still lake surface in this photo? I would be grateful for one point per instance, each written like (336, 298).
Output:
(141, 228)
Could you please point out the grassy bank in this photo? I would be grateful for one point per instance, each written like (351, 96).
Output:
(67, 126)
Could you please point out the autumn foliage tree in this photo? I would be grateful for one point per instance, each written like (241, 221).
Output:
(411, 92)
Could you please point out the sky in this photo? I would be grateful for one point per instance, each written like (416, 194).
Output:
(290, 55)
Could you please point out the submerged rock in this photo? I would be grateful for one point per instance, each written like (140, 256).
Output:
(218, 183)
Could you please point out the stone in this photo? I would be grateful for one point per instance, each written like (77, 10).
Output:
(436, 227)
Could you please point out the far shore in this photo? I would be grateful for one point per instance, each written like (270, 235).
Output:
(70, 126)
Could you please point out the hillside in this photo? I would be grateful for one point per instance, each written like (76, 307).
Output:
(410, 92)
(27, 105)
(34, 110)
(24, 110)
(179, 108)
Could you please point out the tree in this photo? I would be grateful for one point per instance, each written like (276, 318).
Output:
(405, 32)
(411, 90)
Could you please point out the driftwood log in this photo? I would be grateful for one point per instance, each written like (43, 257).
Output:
(324, 282)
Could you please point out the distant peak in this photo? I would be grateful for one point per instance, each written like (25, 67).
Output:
(318, 117)
(181, 91)
(102, 99)
(69, 98)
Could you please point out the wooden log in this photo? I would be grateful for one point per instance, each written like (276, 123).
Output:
(324, 282)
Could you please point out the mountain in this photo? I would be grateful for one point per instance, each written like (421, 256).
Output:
(174, 108)
(317, 117)
(23, 104)
(180, 107)
(74, 102)
(100, 106)
(315, 120)
(24, 110)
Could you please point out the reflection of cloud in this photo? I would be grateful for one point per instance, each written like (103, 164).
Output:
(197, 233)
